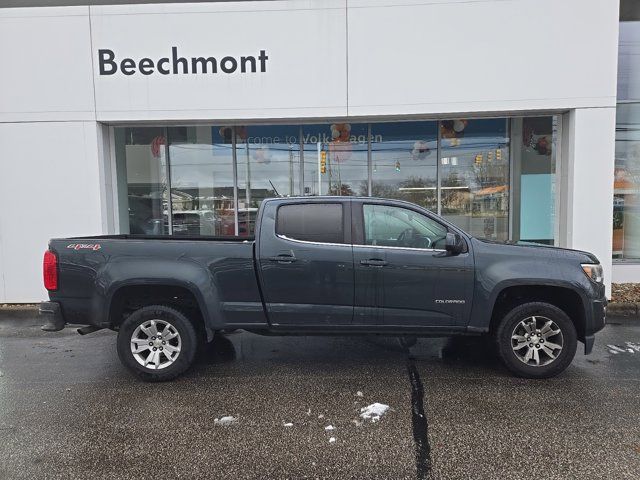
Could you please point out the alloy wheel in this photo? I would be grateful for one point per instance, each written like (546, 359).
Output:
(537, 341)
(155, 344)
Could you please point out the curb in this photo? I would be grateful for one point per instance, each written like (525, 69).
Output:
(625, 309)
(19, 312)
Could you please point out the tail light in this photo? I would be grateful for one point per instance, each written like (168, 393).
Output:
(50, 270)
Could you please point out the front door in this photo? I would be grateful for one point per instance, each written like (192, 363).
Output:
(306, 263)
(404, 277)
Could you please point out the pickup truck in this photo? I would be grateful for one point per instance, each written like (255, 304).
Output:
(326, 266)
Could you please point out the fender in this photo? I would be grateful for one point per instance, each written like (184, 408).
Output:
(485, 299)
(124, 272)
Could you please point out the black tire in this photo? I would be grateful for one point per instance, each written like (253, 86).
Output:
(509, 357)
(187, 335)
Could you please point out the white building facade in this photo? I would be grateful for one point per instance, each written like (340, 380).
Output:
(178, 119)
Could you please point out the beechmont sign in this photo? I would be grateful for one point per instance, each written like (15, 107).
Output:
(175, 64)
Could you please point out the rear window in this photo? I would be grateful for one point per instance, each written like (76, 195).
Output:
(311, 222)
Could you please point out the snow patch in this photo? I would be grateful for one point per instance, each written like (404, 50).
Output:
(288, 424)
(332, 439)
(628, 347)
(226, 420)
(329, 427)
(634, 346)
(359, 394)
(374, 411)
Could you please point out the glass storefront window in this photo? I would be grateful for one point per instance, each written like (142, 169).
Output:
(404, 157)
(626, 198)
(335, 159)
(143, 195)
(628, 64)
(495, 178)
(268, 166)
(474, 176)
(534, 179)
(201, 164)
(626, 187)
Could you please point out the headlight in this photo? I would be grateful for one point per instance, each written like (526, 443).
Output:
(593, 271)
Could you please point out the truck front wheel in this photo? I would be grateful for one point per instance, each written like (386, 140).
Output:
(157, 343)
(536, 340)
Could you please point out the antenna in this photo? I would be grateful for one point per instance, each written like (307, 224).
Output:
(274, 188)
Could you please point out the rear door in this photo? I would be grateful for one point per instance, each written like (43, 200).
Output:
(306, 262)
(403, 275)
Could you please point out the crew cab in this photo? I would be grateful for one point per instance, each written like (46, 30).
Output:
(326, 266)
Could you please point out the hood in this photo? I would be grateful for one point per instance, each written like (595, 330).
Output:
(544, 250)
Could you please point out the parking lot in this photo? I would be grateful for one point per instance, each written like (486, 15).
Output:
(68, 409)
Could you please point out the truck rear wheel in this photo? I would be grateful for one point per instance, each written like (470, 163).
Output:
(157, 343)
(536, 340)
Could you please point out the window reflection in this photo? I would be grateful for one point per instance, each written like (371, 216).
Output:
(626, 198)
(335, 159)
(459, 168)
(475, 176)
(404, 162)
(268, 165)
(142, 180)
(201, 161)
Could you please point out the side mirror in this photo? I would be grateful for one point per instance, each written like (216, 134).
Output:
(454, 244)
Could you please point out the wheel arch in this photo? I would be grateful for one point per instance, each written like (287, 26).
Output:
(561, 295)
(155, 274)
(131, 295)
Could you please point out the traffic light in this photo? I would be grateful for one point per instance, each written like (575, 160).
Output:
(498, 154)
(478, 160)
(397, 165)
(323, 162)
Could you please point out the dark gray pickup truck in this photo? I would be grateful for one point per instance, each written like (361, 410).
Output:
(328, 266)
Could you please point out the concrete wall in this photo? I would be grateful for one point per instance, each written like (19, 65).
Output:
(40, 199)
(587, 212)
(45, 55)
(49, 163)
(379, 59)
(459, 56)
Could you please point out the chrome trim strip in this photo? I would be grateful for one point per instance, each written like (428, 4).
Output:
(401, 248)
(284, 237)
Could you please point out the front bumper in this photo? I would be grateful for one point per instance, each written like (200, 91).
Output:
(51, 313)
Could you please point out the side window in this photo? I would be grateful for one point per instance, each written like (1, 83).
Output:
(401, 227)
(311, 222)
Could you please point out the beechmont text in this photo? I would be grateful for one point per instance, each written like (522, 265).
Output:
(174, 64)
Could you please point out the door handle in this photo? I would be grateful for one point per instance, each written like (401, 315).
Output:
(283, 259)
(374, 262)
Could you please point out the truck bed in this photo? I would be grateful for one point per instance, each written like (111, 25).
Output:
(217, 272)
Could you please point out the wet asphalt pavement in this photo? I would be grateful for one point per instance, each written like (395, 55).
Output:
(68, 409)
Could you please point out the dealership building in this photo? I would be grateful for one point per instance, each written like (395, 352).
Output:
(514, 119)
